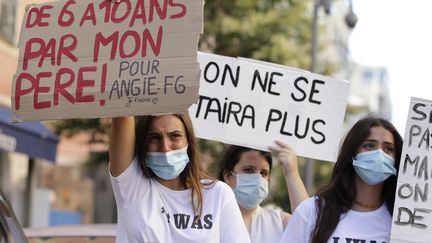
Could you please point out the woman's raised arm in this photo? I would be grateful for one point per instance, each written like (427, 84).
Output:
(288, 158)
(122, 144)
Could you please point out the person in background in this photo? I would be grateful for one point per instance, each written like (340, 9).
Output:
(161, 190)
(357, 204)
(247, 172)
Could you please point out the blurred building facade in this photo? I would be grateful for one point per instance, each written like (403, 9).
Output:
(369, 92)
(369, 89)
(369, 85)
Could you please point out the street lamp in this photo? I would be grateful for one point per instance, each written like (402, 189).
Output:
(351, 21)
(351, 18)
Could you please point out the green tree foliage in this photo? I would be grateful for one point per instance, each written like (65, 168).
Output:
(98, 128)
(277, 31)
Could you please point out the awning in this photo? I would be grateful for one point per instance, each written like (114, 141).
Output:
(31, 138)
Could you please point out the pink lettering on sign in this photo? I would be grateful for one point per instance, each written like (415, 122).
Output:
(47, 77)
(66, 17)
(155, 10)
(72, 85)
(103, 83)
(89, 14)
(38, 17)
(37, 48)
(116, 44)
(60, 86)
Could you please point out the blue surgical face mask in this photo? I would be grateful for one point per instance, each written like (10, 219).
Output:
(250, 190)
(168, 165)
(374, 167)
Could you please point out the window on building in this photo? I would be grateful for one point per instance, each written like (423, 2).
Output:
(367, 75)
(384, 77)
(7, 20)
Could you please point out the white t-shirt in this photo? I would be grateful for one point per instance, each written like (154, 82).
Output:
(266, 225)
(361, 227)
(150, 212)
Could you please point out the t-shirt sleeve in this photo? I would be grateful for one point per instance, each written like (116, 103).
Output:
(130, 186)
(233, 229)
(301, 223)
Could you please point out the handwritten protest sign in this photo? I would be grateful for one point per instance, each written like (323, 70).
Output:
(87, 58)
(252, 103)
(412, 214)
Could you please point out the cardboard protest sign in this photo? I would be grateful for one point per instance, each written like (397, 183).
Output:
(412, 214)
(86, 58)
(252, 103)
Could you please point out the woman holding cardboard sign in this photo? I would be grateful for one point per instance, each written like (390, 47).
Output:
(357, 204)
(161, 190)
(247, 172)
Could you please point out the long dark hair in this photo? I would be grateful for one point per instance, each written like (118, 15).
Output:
(193, 173)
(337, 197)
(232, 157)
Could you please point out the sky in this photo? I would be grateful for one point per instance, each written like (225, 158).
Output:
(396, 34)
